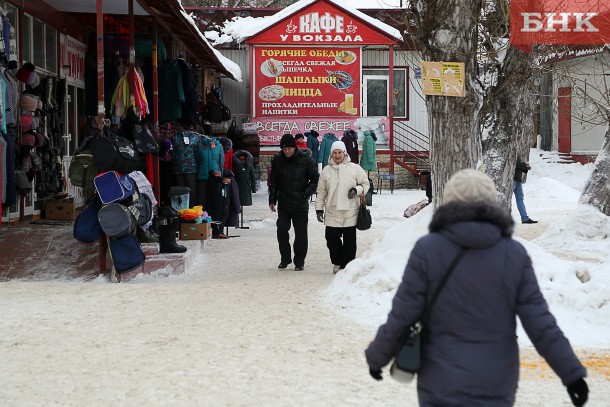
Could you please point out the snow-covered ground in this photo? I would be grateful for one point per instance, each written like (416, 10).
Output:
(235, 330)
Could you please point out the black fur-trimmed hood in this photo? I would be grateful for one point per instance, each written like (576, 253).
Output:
(474, 224)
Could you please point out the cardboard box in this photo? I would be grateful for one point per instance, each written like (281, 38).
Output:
(195, 231)
(63, 209)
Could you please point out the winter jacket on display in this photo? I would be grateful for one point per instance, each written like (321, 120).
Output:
(324, 153)
(190, 105)
(368, 161)
(293, 181)
(470, 350)
(252, 144)
(244, 176)
(333, 187)
(185, 146)
(350, 139)
(171, 91)
(210, 158)
(230, 198)
(313, 144)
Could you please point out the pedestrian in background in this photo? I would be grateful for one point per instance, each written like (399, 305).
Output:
(300, 140)
(521, 170)
(294, 179)
(470, 350)
(339, 189)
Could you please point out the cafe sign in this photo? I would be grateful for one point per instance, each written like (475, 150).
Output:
(307, 81)
(321, 23)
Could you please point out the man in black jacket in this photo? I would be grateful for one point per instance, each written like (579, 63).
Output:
(294, 179)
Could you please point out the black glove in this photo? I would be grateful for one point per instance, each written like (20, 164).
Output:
(320, 216)
(375, 374)
(352, 193)
(579, 392)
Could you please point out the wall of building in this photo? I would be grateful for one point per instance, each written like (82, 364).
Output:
(587, 77)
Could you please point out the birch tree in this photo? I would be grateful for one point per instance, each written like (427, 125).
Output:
(485, 128)
(597, 189)
(447, 31)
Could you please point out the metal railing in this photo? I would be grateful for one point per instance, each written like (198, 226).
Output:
(412, 146)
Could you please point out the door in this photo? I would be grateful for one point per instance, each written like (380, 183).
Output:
(375, 96)
(564, 103)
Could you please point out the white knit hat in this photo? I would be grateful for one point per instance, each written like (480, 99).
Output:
(468, 186)
(338, 145)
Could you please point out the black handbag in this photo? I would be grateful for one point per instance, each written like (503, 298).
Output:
(364, 220)
(408, 357)
(144, 140)
(114, 153)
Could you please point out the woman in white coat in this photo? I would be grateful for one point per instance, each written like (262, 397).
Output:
(339, 188)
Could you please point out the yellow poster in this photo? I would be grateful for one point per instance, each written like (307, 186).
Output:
(443, 78)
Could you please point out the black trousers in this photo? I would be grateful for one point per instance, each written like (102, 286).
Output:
(299, 221)
(341, 252)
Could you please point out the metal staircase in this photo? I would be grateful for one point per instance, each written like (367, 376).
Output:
(411, 148)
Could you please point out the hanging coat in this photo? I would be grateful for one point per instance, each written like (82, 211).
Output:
(368, 161)
(313, 143)
(350, 139)
(244, 176)
(327, 142)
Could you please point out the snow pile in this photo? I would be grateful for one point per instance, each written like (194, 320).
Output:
(576, 241)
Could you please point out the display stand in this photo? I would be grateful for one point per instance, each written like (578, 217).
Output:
(241, 220)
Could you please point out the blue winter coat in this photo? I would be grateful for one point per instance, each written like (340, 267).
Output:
(210, 158)
(325, 146)
(470, 352)
(313, 144)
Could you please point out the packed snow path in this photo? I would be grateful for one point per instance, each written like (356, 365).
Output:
(235, 331)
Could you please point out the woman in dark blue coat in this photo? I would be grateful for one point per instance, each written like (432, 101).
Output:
(470, 354)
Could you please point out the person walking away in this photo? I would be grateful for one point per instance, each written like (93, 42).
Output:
(350, 139)
(300, 139)
(368, 161)
(340, 185)
(324, 153)
(294, 178)
(521, 170)
(470, 350)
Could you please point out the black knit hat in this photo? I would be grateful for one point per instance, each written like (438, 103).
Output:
(288, 141)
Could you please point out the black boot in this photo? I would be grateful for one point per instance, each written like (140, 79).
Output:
(167, 236)
(146, 236)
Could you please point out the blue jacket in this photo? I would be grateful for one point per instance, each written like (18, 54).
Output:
(210, 157)
(327, 142)
(470, 351)
(185, 155)
(313, 144)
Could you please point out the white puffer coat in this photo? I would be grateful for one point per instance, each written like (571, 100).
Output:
(333, 187)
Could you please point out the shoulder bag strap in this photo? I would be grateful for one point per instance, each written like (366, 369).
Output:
(454, 263)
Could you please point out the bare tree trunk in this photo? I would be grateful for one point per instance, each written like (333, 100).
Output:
(447, 31)
(597, 189)
(507, 121)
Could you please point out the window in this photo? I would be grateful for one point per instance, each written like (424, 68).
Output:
(39, 44)
(400, 88)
